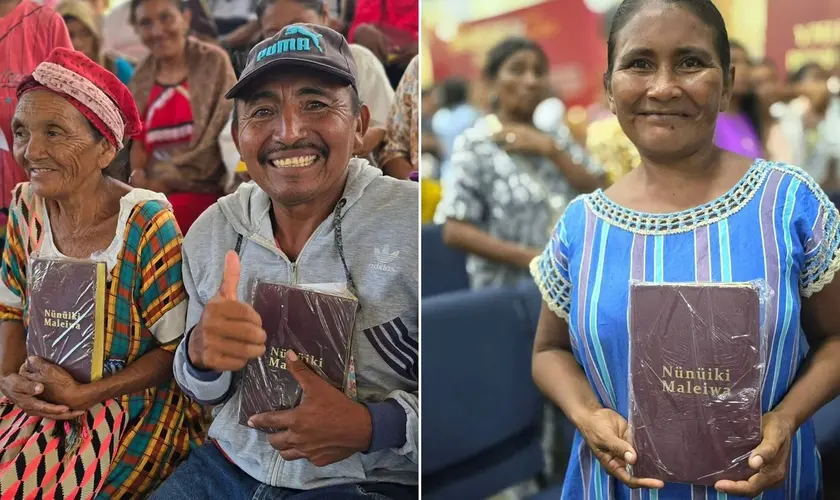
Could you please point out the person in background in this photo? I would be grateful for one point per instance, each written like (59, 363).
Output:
(374, 88)
(456, 114)
(691, 212)
(389, 28)
(765, 77)
(510, 180)
(119, 41)
(120, 435)
(313, 214)
(739, 129)
(28, 33)
(400, 155)
(180, 91)
(84, 27)
(805, 127)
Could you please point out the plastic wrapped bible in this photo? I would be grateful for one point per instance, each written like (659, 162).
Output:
(66, 315)
(316, 324)
(696, 366)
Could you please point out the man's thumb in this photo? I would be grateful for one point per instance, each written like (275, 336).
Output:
(230, 276)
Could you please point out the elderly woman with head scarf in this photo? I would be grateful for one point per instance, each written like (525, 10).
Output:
(119, 436)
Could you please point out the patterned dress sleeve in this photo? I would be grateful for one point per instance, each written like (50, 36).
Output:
(550, 271)
(160, 292)
(819, 231)
(13, 268)
(398, 137)
(465, 195)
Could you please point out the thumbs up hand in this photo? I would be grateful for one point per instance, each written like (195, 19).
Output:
(230, 332)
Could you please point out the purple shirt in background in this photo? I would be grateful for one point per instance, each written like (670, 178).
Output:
(735, 133)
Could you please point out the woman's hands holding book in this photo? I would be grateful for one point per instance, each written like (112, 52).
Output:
(770, 458)
(230, 332)
(325, 428)
(608, 435)
(31, 395)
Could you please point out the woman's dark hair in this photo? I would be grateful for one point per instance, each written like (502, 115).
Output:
(135, 4)
(119, 167)
(504, 50)
(705, 10)
(802, 72)
(749, 103)
(316, 5)
(453, 92)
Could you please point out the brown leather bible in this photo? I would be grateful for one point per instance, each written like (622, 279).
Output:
(696, 367)
(66, 315)
(317, 325)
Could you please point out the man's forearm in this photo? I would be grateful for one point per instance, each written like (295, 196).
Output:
(206, 387)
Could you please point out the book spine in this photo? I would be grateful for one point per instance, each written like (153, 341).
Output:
(98, 361)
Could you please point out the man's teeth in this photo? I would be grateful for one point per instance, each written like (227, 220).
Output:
(40, 170)
(296, 162)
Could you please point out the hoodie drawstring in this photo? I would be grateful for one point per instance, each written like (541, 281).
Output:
(340, 244)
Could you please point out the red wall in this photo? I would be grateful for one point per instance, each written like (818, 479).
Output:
(803, 29)
(568, 32)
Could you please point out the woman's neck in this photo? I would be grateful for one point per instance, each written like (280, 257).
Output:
(85, 207)
(668, 175)
(734, 106)
(173, 65)
(512, 118)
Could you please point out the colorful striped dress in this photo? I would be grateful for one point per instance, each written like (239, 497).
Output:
(129, 445)
(775, 224)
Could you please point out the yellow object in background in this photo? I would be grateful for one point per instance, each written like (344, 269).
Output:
(608, 145)
(430, 193)
(241, 168)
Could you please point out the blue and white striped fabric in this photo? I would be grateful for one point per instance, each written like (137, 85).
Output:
(775, 225)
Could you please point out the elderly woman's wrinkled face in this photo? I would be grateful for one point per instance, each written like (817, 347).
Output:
(668, 84)
(162, 27)
(297, 133)
(522, 83)
(82, 39)
(280, 13)
(54, 143)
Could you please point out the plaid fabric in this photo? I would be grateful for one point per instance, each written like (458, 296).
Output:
(163, 425)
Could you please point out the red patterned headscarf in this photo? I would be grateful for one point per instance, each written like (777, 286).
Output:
(96, 92)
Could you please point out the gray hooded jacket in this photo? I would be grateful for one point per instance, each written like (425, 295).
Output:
(378, 237)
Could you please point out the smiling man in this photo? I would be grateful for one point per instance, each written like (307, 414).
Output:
(313, 215)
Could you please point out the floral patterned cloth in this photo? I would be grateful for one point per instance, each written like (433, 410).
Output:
(403, 129)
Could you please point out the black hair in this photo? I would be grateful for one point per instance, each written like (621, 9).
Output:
(800, 74)
(503, 50)
(135, 4)
(316, 5)
(119, 167)
(705, 10)
(356, 106)
(750, 104)
(453, 92)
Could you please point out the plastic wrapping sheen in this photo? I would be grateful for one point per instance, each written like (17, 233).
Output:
(696, 368)
(66, 315)
(316, 322)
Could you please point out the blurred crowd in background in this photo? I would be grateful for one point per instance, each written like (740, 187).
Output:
(180, 57)
(504, 83)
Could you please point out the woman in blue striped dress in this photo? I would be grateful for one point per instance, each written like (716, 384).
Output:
(690, 213)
